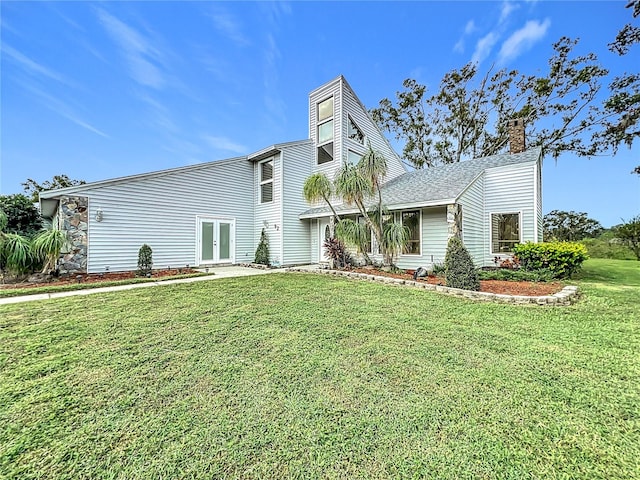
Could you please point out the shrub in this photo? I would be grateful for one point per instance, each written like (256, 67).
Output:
(516, 275)
(262, 252)
(47, 246)
(145, 261)
(337, 252)
(459, 269)
(562, 259)
(16, 255)
(608, 246)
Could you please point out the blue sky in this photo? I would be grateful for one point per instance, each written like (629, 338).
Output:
(107, 89)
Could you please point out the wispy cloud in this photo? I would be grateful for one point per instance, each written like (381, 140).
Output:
(469, 29)
(141, 56)
(227, 25)
(33, 67)
(507, 9)
(223, 143)
(484, 46)
(64, 110)
(523, 39)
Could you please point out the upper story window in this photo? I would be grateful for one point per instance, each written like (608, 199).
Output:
(355, 133)
(266, 181)
(324, 139)
(353, 157)
(505, 232)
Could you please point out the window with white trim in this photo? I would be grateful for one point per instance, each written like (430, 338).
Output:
(266, 181)
(411, 220)
(324, 138)
(505, 232)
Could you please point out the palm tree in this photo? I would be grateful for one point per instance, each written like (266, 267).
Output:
(357, 185)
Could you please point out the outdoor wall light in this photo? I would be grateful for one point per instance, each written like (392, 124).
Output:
(99, 214)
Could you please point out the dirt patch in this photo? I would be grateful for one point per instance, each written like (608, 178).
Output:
(528, 289)
(98, 277)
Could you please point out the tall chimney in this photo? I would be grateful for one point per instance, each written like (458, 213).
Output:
(516, 135)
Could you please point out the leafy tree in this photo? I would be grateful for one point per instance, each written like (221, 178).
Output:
(33, 188)
(622, 108)
(262, 252)
(629, 233)
(22, 216)
(569, 226)
(468, 116)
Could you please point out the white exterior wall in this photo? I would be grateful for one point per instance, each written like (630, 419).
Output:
(538, 189)
(297, 161)
(474, 229)
(352, 106)
(511, 189)
(269, 215)
(162, 210)
(315, 239)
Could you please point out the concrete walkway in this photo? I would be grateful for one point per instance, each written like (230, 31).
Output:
(218, 273)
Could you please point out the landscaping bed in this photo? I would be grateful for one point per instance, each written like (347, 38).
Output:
(506, 287)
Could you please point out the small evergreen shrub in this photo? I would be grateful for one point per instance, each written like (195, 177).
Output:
(145, 261)
(262, 252)
(337, 252)
(516, 275)
(562, 259)
(459, 269)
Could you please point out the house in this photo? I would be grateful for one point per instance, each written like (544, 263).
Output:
(213, 213)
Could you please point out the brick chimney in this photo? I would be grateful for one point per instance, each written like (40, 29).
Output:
(516, 136)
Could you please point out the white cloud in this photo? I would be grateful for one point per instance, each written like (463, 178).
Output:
(483, 47)
(507, 8)
(459, 46)
(223, 143)
(523, 39)
(31, 66)
(227, 25)
(140, 55)
(470, 27)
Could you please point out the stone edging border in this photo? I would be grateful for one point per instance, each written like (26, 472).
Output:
(566, 296)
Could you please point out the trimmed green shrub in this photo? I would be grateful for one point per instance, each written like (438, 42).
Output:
(516, 275)
(562, 259)
(459, 269)
(145, 261)
(262, 252)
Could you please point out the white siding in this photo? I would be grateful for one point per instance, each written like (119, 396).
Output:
(315, 237)
(434, 240)
(161, 211)
(352, 106)
(297, 161)
(539, 215)
(474, 228)
(510, 189)
(269, 215)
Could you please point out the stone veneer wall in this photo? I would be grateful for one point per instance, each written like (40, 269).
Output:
(73, 218)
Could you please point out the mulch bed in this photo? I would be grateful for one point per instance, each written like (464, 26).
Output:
(529, 289)
(97, 277)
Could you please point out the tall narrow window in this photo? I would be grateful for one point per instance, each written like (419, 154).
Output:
(355, 133)
(411, 220)
(505, 232)
(266, 181)
(324, 139)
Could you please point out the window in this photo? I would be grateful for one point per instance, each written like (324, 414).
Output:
(266, 181)
(411, 220)
(355, 133)
(505, 232)
(353, 158)
(325, 131)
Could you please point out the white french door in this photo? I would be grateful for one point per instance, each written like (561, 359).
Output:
(216, 240)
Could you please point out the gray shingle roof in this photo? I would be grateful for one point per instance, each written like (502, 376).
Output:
(438, 185)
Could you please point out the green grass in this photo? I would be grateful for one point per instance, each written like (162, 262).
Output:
(309, 376)
(17, 292)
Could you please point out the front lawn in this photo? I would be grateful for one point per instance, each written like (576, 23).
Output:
(308, 376)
